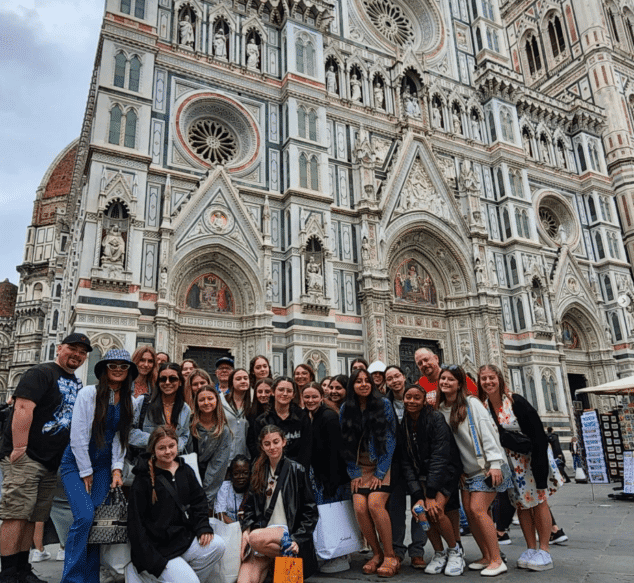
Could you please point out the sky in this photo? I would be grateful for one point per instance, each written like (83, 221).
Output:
(47, 52)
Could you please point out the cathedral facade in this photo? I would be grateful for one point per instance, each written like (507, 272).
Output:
(319, 180)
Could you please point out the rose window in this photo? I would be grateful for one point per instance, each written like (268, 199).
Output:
(549, 222)
(390, 21)
(213, 141)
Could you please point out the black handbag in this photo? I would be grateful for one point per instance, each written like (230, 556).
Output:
(513, 440)
(110, 522)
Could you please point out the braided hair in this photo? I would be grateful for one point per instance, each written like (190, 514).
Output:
(158, 434)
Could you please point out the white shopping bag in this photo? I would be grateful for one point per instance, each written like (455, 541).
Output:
(226, 569)
(115, 557)
(337, 532)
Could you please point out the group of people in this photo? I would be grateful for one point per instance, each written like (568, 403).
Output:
(269, 451)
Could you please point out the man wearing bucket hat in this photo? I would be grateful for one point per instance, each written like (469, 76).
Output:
(93, 461)
(31, 451)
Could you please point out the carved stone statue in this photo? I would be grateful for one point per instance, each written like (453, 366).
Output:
(457, 123)
(475, 129)
(410, 103)
(526, 141)
(163, 282)
(355, 88)
(543, 147)
(561, 235)
(331, 80)
(314, 277)
(220, 44)
(379, 96)
(253, 54)
(436, 115)
(479, 271)
(365, 249)
(113, 247)
(538, 308)
(186, 32)
(608, 334)
(470, 182)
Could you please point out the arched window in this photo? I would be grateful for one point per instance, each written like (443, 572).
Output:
(521, 320)
(532, 393)
(310, 59)
(314, 173)
(518, 222)
(135, 74)
(299, 55)
(55, 320)
(613, 27)
(130, 128)
(301, 122)
(494, 136)
(532, 54)
(312, 125)
(474, 8)
(514, 275)
(119, 70)
(507, 224)
(479, 39)
(556, 37)
(609, 293)
(58, 291)
(582, 158)
(527, 232)
(616, 325)
(115, 125)
(51, 352)
(559, 31)
(38, 290)
(593, 209)
(303, 171)
(599, 241)
(617, 252)
(500, 178)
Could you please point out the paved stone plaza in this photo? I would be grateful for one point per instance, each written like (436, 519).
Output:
(601, 533)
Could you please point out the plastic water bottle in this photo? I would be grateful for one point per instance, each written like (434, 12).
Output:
(421, 516)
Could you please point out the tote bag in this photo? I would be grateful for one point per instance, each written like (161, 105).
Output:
(337, 532)
(226, 569)
(110, 522)
(288, 570)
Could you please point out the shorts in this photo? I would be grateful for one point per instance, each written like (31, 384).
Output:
(27, 490)
(477, 483)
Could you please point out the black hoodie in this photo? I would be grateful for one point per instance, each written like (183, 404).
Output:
(160, 532)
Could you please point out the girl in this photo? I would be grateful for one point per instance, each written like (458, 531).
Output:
(368, 429)
(259, 368)
(167, 407)
(302, 375)
(168, 524)
(327, 467)
(211, 440)
(286, 415)
(279, 513)
(263, 392)
(194, 382)
(338, 387)
(187, 367)
(93, 462)
(230, 498)
(431, 467)
(145, 359)
(325, 386)
(482, 459)
(236, 404)
(534, 475)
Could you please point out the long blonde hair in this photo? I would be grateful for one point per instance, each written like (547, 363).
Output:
(218, 414)
(189, 394)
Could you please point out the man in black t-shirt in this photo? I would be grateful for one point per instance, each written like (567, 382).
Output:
(34, 441)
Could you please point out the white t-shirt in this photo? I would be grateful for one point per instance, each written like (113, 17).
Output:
(228, 500)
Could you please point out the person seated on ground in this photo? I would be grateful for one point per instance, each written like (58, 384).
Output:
(280, 514)
(168, 525)
(231, 496)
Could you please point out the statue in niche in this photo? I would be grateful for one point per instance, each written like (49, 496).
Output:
(220, 44)
(379, 96)
(561, 157)
(355, 88)
(457, 122)
(365, 249)
(469, 179)
(253, 54)
(543, 146)
(561, 235)
(331, 80)
(314, 277)
(475, 128)
(113, 248)
(526, 141)
(410, 101)
(186, 31)
(436, 115)
(163, 282)
(608, 334)
(479, 271)
(538, 307)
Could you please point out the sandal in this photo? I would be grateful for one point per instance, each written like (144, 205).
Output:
(372, 565)
(389, 568)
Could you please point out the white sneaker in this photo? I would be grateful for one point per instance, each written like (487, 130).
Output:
(61, 555)
(39, 556)
(527, 555)
(516, 521)
(336, 565)
(540, 561)
(437, 564)
(455, 563)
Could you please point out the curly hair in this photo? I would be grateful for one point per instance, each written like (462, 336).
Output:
(357, 426)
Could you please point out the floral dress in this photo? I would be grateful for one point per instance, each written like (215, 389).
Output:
(525, 494)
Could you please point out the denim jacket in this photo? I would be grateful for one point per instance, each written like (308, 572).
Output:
(384, 461)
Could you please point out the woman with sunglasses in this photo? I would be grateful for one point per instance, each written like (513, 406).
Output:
(285, 414)
(280, 514)
(368, 431)
(236, 403)
(484, 463)
(93, 462)
(535, 475)
(167, 407)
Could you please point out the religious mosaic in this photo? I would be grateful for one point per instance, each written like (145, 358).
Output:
(413, 284)
(209, 293)
(570, 336)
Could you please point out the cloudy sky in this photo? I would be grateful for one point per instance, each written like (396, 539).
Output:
(47, 51)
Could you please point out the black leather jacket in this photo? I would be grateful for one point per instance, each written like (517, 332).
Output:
(299, 506)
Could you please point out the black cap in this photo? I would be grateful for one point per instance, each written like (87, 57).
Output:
(225, 360)
(77, 338)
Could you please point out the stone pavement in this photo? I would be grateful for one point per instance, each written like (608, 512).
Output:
(600, 549)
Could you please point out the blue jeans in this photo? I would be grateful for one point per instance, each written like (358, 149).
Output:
(397, 508)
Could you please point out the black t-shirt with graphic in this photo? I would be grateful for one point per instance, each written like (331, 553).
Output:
(53, 391)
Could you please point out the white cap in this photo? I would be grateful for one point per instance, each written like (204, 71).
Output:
(377, 366)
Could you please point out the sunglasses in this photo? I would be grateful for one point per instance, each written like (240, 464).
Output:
(168, 379)
(115, 366)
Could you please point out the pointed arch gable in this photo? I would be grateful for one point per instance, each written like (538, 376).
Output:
(590, 332)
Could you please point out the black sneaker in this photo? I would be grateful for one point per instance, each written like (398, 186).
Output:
(504, 539)
(557, 538)
(30, 577)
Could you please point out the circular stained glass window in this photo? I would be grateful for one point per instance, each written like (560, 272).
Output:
(549, 222)
(213, 141)
(390, 21)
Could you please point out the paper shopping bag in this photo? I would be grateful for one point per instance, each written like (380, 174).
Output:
(288, 570)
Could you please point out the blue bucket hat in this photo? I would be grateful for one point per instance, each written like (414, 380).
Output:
(116, 355)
